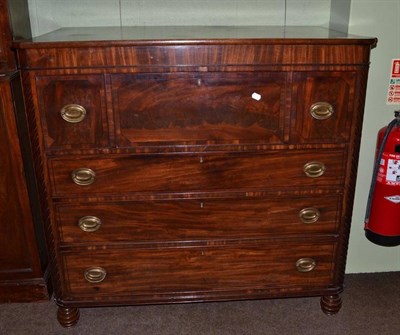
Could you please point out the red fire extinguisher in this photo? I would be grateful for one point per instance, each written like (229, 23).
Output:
(382, 218)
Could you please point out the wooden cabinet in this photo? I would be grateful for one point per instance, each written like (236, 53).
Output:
(23, 258)
(24, 274)
(14, 23)
(202, 169)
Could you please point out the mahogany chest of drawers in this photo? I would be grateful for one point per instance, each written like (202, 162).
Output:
(195, 164)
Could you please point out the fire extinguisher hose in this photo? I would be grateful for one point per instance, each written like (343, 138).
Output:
(394, 122)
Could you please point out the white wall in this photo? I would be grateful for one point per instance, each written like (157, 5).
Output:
(48, 15)
(379, 19)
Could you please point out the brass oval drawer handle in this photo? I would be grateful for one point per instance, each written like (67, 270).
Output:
(306, 264)
(309, 215)
(73, 113)
(95, 274)
(321, 110)
(89, 224)
(83, 176)
(314, 169)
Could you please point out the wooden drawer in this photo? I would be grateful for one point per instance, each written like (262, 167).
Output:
(323, 104)
(187, 271)
(205, 219)
(182, 173)
(212, 107)
(73, 111)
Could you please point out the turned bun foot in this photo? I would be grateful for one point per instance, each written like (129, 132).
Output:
(68, 316)
(331, 304)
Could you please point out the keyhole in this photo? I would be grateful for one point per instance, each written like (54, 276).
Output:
(201, 204)
(201, 160)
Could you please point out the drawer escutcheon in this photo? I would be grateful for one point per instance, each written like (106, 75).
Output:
(73, 113)
(321, 110)
(306, 264)
(83, 176)
(314, 169)
(95, 274)
(309, 215)
(89, 224)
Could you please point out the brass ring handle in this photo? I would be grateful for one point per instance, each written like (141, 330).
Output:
(306, 264)
(321, 110)
(309, 215)
(95, 274)
(73, 113)
(89, 224)
(83, 176)
(314, 169)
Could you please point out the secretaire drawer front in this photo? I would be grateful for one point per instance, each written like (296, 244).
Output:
(185, 270)
(73, 111)
(204, 219)
(323, 105)
(220, 107)
(178, 173)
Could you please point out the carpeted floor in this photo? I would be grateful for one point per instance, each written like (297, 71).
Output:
(371, 305)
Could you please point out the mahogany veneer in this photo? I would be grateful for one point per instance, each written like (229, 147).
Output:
(23, 260)
(24, 274)
(182, 164)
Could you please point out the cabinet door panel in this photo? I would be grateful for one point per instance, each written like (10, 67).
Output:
(73, 96)
(195, 107)
(318, 90)
(15, 215)
(22, 254)
(23, 259)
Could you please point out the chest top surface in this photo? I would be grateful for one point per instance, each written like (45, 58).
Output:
(136, 35)
(192, 46)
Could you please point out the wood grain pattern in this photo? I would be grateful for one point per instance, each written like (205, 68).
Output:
(14, 209)
(14, 23)
(22, 261)
(191, 173)
(352, 168)
(6, 61)
(88, 92)
(218, 107)
(335, 88)
(37, 147)
(188, 270)
(202, 219)
(99, 47)
(266, 53)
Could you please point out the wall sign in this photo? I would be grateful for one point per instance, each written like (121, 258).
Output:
(393, 96)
